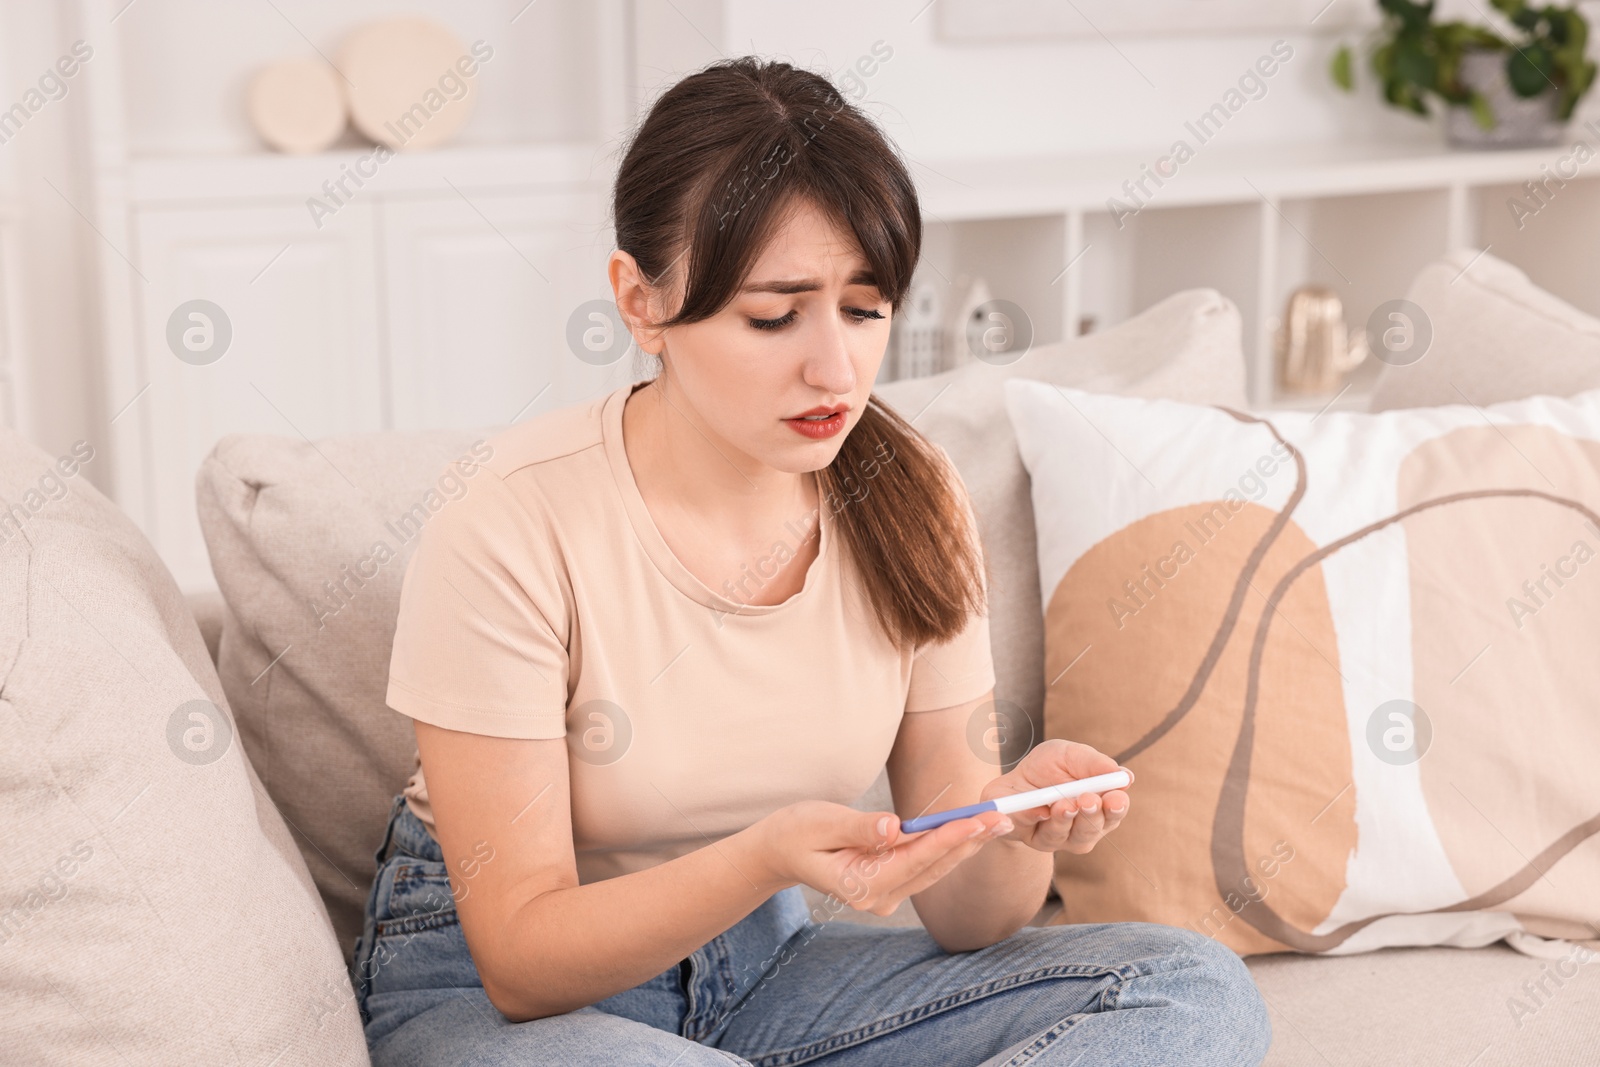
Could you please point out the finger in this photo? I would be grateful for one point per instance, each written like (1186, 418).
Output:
(915, 852)
(1115, 804)
(932, 846)
(1089, 826)
(1052, 834)
(1055, 810)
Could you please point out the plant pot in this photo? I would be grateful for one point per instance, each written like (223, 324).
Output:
(1520, 121)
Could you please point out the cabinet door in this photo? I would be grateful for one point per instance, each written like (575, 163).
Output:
(479, 288)
(302, 358)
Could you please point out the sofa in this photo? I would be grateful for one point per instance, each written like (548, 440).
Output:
(193, 785)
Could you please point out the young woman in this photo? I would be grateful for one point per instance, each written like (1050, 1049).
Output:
(668, 637)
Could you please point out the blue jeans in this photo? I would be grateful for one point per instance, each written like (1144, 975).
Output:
(787, 986)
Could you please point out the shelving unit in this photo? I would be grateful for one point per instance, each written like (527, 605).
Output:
(437, 292)
(1255, 223)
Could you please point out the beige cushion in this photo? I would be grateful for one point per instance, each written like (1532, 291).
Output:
(291, 529)
(1271, 621)
(1430, 1006)
(153, 908)
(1184, 348)
(1496, 336)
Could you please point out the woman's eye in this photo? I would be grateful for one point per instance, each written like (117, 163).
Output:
(859, 314)
(772, 324)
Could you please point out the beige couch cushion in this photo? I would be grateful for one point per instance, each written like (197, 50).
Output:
(1483, 1007)
(1496, 337)
(308, 544)
(153, 908)
(1184, 348)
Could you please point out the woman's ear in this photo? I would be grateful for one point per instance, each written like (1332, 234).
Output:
(636, 300)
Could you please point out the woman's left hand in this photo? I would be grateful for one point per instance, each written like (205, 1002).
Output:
(1072, 825)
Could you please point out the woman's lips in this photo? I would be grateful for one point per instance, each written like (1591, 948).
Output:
(818, 429)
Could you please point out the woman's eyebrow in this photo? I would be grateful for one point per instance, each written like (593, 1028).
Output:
(806, 285)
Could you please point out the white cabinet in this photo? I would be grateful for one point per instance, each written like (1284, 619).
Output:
(443, 304)
(478, 290)
(299, 311)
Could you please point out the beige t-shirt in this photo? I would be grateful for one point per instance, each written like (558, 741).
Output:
(545, 603)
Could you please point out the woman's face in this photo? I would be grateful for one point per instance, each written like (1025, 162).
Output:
(807, 331)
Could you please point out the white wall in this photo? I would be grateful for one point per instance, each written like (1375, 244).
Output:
(1059, 97)
(43, 174)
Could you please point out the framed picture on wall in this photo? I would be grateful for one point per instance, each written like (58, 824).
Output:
(1032, 20)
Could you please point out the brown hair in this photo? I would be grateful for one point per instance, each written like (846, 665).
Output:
(706, 179)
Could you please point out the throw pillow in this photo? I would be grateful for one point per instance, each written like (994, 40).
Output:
(1348, 656)
(308, 543)
(1496, 336)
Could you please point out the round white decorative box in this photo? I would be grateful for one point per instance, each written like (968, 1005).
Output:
(296, 106)
(407, 82)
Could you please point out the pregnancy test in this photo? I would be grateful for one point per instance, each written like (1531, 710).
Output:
(1033, 798)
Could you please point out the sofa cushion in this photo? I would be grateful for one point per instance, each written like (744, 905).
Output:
(308, 543)
(153, 908)
(1487, 1007)
(1496, 337)
(1186, 347)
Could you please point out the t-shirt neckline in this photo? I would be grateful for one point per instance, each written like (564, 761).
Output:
(656, 547)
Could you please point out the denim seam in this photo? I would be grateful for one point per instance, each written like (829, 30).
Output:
(416, 869)
(725, 969)
(1046, 1039)
(1110, 998)
(720, 968)
(407, 874)
(691, 1000)
(1123, 973)
(366, 941)
(734, 1006)
(421, 923)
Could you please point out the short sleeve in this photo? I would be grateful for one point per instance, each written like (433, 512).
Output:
(481, 639)
(961, 669)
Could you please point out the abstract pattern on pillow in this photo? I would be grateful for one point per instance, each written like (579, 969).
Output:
(1351, 659)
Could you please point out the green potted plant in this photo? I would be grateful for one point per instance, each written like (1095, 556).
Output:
(1498, 90)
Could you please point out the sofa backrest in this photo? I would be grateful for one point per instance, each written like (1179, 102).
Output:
(153, 905)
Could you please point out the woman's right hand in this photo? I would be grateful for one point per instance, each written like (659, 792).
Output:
(841, 850)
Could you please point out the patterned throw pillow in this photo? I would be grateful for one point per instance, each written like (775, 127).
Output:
(1351, 659)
